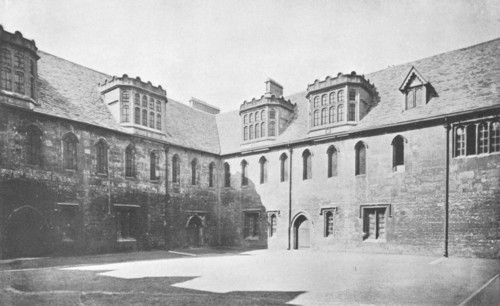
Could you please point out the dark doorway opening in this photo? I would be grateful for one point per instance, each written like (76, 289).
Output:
(26, 233)
(195, 231)
(301, 230)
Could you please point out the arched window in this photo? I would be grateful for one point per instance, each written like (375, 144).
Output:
(158, 121)
(328, 223)
(250, 133)
(158, 105)
(340, 96)
(151, 103)
(263, 114)
(211, 175)
(227, 175)
(257, 130)
(245, 119)
(340, 113)
(263, 170)
(352, 112)
(272, 128)
(332, 114)
(101, 148)
(250, 118)
(152, 120)
(495, 137)
(459, 141)
(398, 152)
(273, 224)
(244, 174)
(283, 168)
(324, 116)
(483, 138)
(306, 165)
(125, 113)
(125, 96)
(144, 117)
(316, 102)
(245, 133)
(33, 145)
(137, 99)
(263, 129)
(194, 172)
(272, 113)
(360, 158)
(331, 154)
(323, 100)
(144, 101)
(257, 116)
(316, 118)
(176, 169)
(137, 115)
(332, 97)
(129, 161)
(153, 166)
(471, 139)
(69, 151)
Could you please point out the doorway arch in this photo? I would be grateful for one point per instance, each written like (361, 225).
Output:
(301, 232)
(194, 228)
(26, 233)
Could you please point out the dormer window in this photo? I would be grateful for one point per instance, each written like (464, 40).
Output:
(416, 90)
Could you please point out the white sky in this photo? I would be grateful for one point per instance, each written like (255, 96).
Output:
(223, 51)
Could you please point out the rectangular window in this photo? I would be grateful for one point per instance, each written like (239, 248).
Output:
(374, 223)
(483, 138)
(5, 79)
(471, 139)
(251, 226)
(328, 223)
(19, 82)
(126, 223)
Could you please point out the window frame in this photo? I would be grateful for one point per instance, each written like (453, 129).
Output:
(360, 159)
(33, 145)
(102, 156)
(332, 161)
(244, 173)
(70, 151)
(306, 165)
(130, 171)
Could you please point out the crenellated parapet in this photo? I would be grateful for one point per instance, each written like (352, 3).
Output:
(16, 39)
(126, 81)
(338, 81)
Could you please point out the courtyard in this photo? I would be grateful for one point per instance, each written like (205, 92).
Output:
(235, 277)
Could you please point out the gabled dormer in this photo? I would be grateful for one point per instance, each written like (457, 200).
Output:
(18, 70)
(337, 103)
(417, 91)
(266, 117)
(138, 106)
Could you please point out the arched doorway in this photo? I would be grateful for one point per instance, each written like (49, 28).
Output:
(26, 233)
(195, 231)
(301, 232)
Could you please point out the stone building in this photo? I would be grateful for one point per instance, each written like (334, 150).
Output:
(405, 160)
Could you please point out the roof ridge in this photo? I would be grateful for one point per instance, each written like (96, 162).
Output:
(76, 64)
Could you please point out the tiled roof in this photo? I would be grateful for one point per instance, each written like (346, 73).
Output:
(464, 80)
(70, 91)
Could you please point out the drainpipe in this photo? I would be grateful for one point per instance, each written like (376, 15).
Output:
(290, 199)
(167, 199)
(447, 190)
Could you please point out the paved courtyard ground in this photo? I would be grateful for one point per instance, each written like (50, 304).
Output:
(210, 277)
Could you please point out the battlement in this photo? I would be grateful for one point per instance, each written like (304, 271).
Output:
(339, 80)
(18, 40)
(126, 81)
